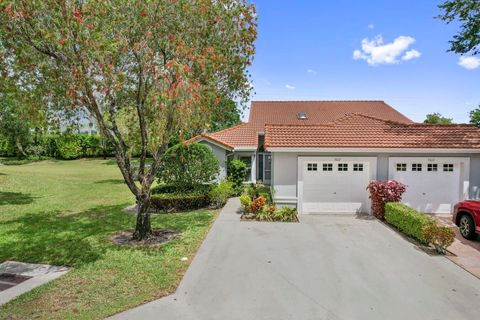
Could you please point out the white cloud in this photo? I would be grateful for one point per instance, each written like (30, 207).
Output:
(371, 26)
(377, 52)
(469, 62)
(411, 54)
(312, 71)
(289, 87)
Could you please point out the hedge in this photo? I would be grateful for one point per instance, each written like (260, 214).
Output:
(408, 220)
(63, 146)
(168, 202)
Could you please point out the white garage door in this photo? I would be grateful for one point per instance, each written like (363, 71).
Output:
(334, 185)
(434, 185)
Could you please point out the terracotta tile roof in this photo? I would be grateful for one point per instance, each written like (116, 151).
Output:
(361, 131)
(285, 112)
(318, 112)
(242, 135)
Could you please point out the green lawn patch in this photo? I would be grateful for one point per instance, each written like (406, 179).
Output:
(64, 213)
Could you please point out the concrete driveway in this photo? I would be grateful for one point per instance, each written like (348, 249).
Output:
(325, 267)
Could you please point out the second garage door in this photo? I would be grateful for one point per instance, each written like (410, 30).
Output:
(334, 185)
(434, 185)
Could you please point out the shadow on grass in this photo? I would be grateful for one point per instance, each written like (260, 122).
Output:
(61, 239)
(15, 198)
(110, 181)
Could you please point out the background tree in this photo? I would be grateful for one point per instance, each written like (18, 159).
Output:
(156, 67)
(226, 114)
(437, 118)
(475, 116)
(467, 13)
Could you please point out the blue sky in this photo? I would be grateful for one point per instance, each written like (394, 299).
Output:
(305, 51)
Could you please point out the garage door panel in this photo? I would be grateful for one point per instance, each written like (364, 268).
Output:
(434, 191)
(332, 186)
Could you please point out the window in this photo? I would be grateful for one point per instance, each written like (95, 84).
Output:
(448, 167)
(343, 167)
(327, 167)
(416, 167)
(358, 167)
(311, 167)
(401, 167)
(432, 167)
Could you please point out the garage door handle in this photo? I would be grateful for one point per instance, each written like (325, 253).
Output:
(424, 193)
(334, 193)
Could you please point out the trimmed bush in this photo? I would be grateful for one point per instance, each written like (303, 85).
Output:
(187, 166)
(220, 193)
(237, 173)
(408, 220)
(169, 188)
(170, 202)
(441, 237)
(382, 192)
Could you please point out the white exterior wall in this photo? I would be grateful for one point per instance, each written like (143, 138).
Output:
(221, 155)
(284, 178)
(285, 167)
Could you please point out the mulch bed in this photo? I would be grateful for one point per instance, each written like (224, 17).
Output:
(158, 237)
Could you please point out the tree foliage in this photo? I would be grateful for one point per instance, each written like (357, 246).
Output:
(187, 166)
(475, 116)
(437, 118)
(146, 71)
(467, 13)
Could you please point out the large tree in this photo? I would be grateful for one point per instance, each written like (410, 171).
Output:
(437, 118)
(146, 70)
(467, 13)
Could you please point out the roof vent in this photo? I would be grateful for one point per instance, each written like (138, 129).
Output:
(302, 116)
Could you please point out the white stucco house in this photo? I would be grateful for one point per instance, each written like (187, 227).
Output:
(320, 155)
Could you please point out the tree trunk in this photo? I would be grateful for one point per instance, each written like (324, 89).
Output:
(143, 228)
(20, 147)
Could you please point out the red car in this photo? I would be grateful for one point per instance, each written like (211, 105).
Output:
(466, 215)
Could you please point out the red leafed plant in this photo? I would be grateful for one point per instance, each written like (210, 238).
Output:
(382, 192)
(258, 204)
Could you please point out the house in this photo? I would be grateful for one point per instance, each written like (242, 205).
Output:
(320, 155)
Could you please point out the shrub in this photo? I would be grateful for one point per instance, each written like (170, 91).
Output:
(270, 213)
(69, 147)
(408, 220)
(257, 204)
(254, 190)
(439, 236)
(164, 188)
(286, 214)
(237, 172)
(169, 202)
(220, 194)
(246, 202)
(187, 166)
(382, 192)
(266, 214)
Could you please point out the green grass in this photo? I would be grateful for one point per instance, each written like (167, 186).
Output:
(64, 213)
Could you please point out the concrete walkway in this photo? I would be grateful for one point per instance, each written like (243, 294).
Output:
(325, 267)
(38, 274)
(466, 253)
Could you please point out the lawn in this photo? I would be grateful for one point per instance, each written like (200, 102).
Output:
(64, 213)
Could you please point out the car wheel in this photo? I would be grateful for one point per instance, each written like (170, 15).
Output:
(467, 227)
